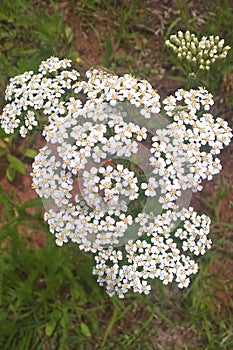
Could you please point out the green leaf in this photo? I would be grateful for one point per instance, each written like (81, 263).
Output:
(10, 173)
(68, 35)
(30, 153)
(63, 321)
(17, 164)
(50, 327)
(85, 330)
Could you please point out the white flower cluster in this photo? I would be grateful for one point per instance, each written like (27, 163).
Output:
(159, 255)
(78, 159)
(116, 168)
(30, 92)
(102, 86)
(199, 53)
(184, 153)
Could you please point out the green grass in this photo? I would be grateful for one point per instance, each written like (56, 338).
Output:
(48, 296)
(49, 299)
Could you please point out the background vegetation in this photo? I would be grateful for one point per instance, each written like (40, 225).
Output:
(48, 296)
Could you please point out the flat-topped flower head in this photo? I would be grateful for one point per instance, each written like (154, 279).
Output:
(119, 167)
(29, 93)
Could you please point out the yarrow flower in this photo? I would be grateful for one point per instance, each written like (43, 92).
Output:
(118, 168)
(29, 92)
(158, 255)
(201, 54)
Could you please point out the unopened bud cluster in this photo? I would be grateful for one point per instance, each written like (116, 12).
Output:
(201, 54)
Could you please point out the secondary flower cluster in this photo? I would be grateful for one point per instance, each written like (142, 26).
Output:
(199, 53)
(31, 92)
(159, 255)
(118, 169)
